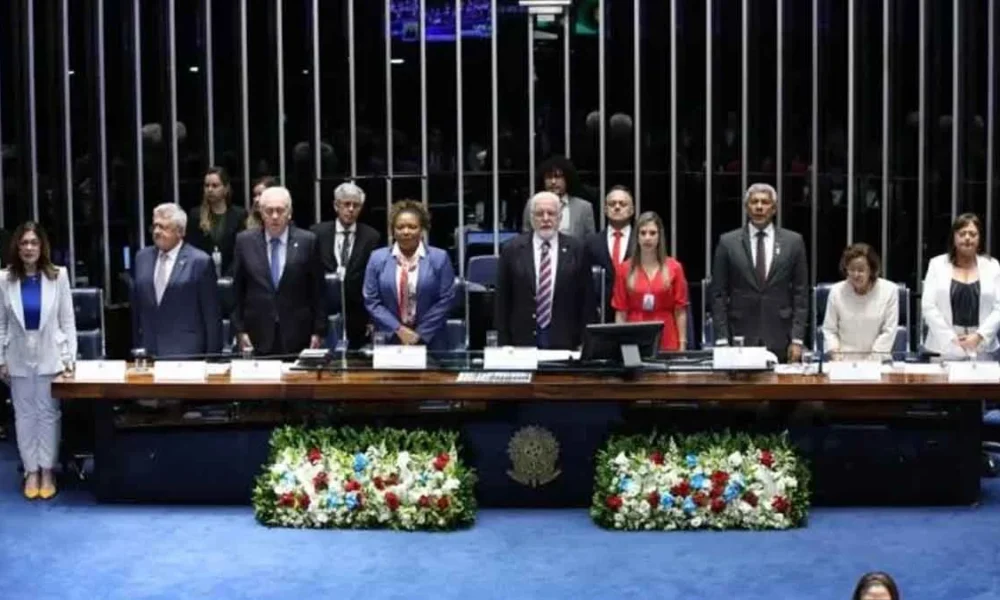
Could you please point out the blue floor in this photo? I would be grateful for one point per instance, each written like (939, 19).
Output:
(73, 548)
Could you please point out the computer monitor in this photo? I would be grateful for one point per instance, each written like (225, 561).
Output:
(627, 343)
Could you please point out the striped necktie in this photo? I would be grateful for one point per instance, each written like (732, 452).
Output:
(543, 297)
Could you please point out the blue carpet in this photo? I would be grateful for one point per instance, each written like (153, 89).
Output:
(72, 547)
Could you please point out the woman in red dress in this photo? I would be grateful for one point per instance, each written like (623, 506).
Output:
(651, 286)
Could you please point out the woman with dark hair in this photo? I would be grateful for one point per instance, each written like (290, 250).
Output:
(254, 219)
(862, 311)
(961, 295)
(218, 220)
(37, 342)
(651, 286)
(409, 288)
(558, 175)
(876, 586)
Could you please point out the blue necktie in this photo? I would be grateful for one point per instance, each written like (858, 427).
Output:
(275, 261)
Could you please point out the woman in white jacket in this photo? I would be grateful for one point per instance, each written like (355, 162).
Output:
(961, 295)
(37, 342)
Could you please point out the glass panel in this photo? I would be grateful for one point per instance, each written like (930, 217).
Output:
(335, 125)
(868, 124)
(904, 157)
(226, 97)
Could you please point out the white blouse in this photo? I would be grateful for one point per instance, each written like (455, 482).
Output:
(861, 324)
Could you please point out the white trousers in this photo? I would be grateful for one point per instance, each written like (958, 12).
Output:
(37, 421)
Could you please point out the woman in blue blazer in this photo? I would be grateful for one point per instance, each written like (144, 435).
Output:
(409, 288)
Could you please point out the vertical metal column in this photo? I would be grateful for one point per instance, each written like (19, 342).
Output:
(744, 100)
(317, 116)
(209, 86)
(990, 99)
(279, 18)
(779, 112)
(602, 102)
(102, 150)
(140, 171)
(921, 139)
(850, 122)
(172, 77)
(885, 137)
(460, 144)
(352, 92)
(245, 101)
(424, 191)
(814, 147)
(32, 117)
(673, 128)
(637, 100)
(708, 138)
(531, 102)
(495, 121)
(68, 143)
(389, 167)
(567, 106)
(956, 119)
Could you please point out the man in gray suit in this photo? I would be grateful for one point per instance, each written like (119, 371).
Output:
(759, 281)
(558, 175)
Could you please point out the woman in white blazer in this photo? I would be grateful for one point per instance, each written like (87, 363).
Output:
(961, 295)
(37, 342)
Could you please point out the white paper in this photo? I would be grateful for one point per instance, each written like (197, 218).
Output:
(547, 355)
(973, 372)
(255, 370)
(510, 358)
(400, 357)
(739, 358)
(179, 370)
(217, 369)
(918, 368)
(853, 370)
(111, 371)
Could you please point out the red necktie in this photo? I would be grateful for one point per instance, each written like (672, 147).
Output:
(404, 291)
(616, 248)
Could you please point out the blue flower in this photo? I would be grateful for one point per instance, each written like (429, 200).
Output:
(288, 478)
(690, 506)
(691, 460)
(698, 481)
(732, 492)
(424, 478)
(352, 500)
(624, 484)
(666, 500)
(360, 462)
(334, 500)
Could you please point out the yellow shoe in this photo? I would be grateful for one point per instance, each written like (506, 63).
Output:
(30, 491)
(46, 492)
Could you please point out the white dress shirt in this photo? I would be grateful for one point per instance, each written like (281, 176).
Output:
(171, 260)
(536, 242)
(564, 220)
(626, 233)
(768, 244)
(282, 250)
(341, 237)
(411, 280)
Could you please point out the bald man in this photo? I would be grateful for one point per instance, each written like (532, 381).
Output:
(545, 295)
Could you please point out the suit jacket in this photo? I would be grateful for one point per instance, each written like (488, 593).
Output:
(435, 294)
(935, 306)
(581, 217)
(597, 249)
(295, 310)
(573, 301)
(366, 240)
(772, 314)
(235, 221)
(187, 320)
(56, 326)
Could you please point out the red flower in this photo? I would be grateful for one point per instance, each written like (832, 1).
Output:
(716, 492)
(766, 458)
(315, 455)
(352, 485)
(720, 478)
(443, 503)
(700, 499)
(321, 481)
(656, 458)
(393, 479)
(424, 502)
(379, 484)
(287, 500)
(441, 461)
(750, 498)
(681, 490)
(718, 505)
(779, 504)
(653, 498)
(303, 501)
(391, 500)
(614, 502)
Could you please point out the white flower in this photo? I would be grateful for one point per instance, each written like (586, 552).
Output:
(735, 459)
(621, 460)
(403, 460)
(450, 485)
(697, 522)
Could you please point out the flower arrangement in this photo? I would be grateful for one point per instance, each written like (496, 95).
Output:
(350, 478)
(702, 481)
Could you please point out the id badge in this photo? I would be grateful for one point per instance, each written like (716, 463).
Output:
(648, 302)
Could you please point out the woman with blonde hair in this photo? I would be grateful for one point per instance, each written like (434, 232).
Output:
(254, 219)
(218, 220)
(650, 286)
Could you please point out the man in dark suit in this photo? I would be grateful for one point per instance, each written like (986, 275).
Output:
(345, 246)
(760, 281)
(278, 283)
(613, 245)
(545, 294)
(175, 303)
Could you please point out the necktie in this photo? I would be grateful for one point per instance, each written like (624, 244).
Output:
(761, 263)
(160, 281)
(275, 261)
(543, 297)
(616, 249)
(345, 249)
(404, 290)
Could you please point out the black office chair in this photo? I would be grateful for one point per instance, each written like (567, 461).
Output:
(77, 447)
(226, 304)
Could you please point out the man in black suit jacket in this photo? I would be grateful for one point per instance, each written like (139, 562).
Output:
(760, 281)
(278, 282)
(616, 237)
(545, 294)
(345, 246)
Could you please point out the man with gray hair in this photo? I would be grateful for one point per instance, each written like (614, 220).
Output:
(345, 245)
(760, 281)
(174, 299)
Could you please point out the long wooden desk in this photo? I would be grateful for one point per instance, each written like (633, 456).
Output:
(360, 386)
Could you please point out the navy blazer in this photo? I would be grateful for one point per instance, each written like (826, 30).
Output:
(187, 322)
(435, 294)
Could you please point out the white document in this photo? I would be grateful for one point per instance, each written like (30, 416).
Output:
(179, 370)
(973, 372)
(255, 370)
(509, 358)
(853, 370)
(736, 358)
(106, 371)
(400, 357)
